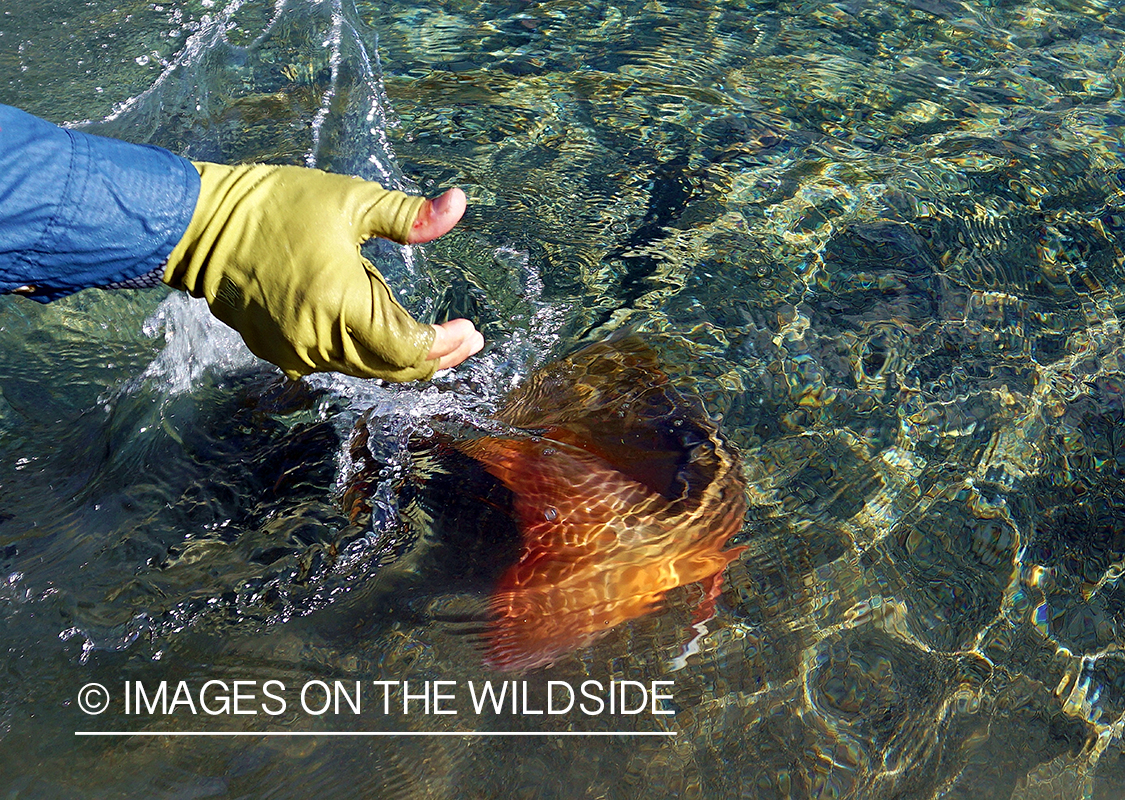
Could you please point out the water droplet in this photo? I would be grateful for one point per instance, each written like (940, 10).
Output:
(550, 513)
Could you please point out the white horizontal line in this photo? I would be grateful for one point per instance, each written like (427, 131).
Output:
(375, 733)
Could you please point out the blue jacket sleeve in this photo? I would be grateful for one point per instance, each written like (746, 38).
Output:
(78, 210)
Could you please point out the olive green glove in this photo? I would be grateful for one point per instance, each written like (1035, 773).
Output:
(275, 251)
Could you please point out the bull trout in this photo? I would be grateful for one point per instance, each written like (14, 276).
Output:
(623, 490)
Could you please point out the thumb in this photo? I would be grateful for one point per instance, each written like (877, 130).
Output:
(386, 212)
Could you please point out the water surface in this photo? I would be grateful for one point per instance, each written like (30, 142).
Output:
(882, 241)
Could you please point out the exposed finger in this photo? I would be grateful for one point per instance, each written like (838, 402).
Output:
(438, 216)
(455, 341)
(448, 336)
(469, 347)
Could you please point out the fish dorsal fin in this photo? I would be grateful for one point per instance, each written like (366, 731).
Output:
(564, 495)
(612, 400)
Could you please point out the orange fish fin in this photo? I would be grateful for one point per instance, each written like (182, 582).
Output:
(711, 588)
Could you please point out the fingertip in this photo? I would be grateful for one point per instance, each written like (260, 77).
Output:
(438, 216)
(453, 203)
(455, 341)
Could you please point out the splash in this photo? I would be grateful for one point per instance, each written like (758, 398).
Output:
(194, 342)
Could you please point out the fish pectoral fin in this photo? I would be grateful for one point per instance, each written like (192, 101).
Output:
(711, 588)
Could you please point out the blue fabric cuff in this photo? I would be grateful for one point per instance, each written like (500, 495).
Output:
(78, 210)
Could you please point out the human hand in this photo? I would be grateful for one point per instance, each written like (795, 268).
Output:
(275, 252)
(454, 341)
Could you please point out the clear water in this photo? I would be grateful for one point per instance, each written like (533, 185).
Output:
(883, 240)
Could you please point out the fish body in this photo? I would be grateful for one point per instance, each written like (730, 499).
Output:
(623, 489)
